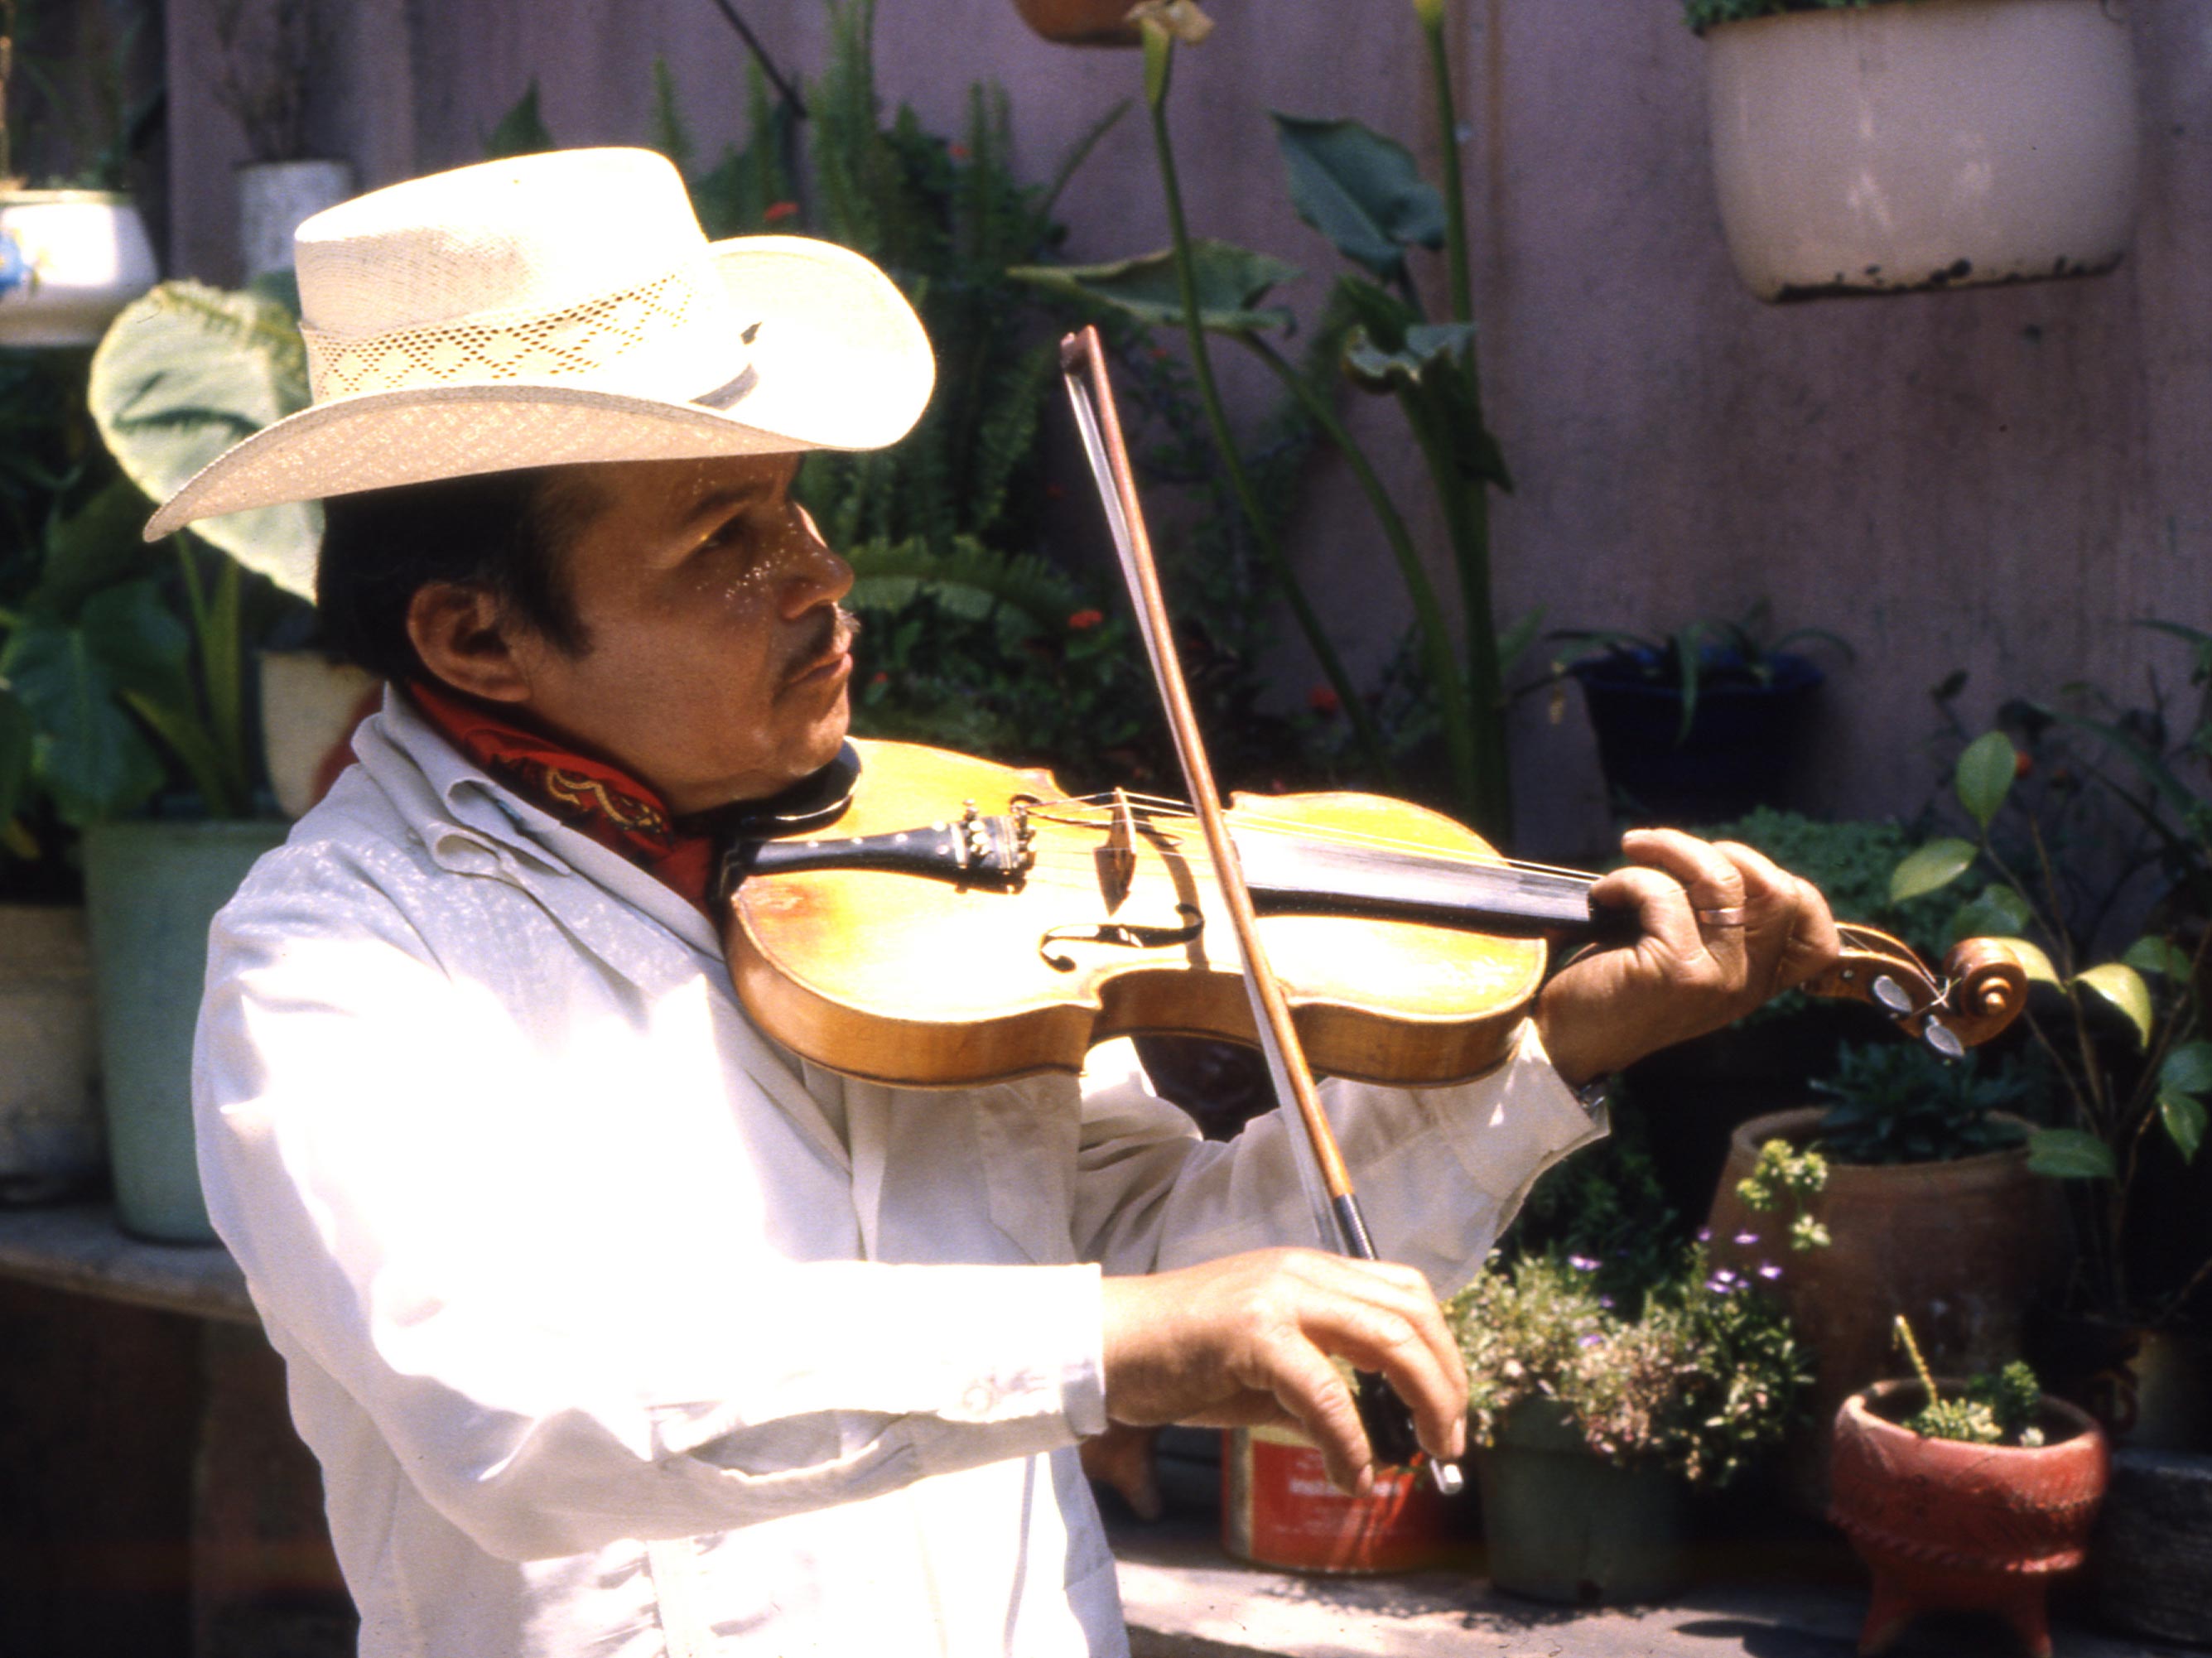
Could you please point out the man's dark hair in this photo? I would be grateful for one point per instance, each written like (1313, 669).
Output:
(507, 534)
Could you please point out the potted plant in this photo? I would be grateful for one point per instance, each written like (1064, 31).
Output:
(268, 50)
(1597, 1409)
(73, 254)
(1698, 727)
(1974, 1501)
(126, 664)
(51, 1146)
(1890, 146)
(1918, 1184)
(2083, 814)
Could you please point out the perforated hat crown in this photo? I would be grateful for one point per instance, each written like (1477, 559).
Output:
(559, 308)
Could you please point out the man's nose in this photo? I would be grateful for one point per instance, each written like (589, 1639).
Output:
(816, 574)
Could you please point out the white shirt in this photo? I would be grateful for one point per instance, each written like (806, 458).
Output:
(620, 1331)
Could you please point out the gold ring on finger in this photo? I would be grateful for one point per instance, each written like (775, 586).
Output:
(1731, 915)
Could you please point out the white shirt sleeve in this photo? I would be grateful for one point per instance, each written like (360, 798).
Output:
(433, 1212)
(1438, 1171)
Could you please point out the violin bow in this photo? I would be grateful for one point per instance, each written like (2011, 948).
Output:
(1083, 365)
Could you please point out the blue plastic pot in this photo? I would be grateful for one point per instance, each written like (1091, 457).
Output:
(151, 889)
(1743, 743)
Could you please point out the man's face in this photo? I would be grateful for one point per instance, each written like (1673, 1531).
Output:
(716, 657)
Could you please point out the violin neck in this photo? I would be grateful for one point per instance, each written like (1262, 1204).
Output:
(1289, 876)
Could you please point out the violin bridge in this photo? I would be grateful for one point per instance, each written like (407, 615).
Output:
(1117, 858)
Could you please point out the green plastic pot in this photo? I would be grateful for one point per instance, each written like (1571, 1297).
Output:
(151, 889)
(1564, 1525)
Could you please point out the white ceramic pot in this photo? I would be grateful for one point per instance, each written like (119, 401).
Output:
(273, 196)
(309, 707)
(1925, 144)
(50, 1138)
(70, 259)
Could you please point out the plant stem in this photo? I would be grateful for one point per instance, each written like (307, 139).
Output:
(1428, 613)
(1912, 1352)
(1158, 56)
(1431, 14)
(213, 749)
(1469, 525)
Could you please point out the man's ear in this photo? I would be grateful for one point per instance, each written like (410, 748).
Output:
(464, 637)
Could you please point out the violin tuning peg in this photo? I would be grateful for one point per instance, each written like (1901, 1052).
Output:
(1945, 1040)
(1891, 994)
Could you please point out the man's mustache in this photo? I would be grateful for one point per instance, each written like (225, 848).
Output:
(834, 633)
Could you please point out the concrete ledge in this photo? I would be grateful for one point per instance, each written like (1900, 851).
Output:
(77, 1247)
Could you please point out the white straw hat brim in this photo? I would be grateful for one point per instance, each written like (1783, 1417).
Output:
(839, 361)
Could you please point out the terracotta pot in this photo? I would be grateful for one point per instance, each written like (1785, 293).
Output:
(1959, 1247)
(309, 707)
(1979, 1527)
(1926, 145)
(1081, 22)
(70, 259)
(50, 1138)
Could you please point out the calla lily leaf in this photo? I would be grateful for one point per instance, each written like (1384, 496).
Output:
(1231, 282)
(1360, 190)
(2069, 1154)
(1931, 868)
(185, 373)
(2121, 985)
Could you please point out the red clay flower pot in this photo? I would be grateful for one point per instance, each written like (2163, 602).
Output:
(1974, 1528)
(1081, 22)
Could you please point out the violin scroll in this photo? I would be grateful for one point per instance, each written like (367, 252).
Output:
(1982, 989)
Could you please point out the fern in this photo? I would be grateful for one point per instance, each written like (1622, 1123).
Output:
(1022, 593)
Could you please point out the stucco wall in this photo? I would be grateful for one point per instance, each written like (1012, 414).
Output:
(1997, 480)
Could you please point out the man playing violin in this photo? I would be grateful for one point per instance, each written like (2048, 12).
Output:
(615, 1327)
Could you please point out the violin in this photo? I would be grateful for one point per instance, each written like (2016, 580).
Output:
(951, 922)
(921, 944)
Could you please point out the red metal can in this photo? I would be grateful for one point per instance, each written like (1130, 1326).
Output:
(1278, 1508)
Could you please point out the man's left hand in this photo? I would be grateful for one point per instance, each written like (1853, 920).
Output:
(1724, 928)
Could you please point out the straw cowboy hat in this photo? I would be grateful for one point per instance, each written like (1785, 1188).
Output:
(565, 307)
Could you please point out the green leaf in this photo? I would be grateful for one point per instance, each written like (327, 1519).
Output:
(2152, 954)
(1996, 912)
(1431, 349)
(2031, 956)
(2121, 985)
(2187, 1070)
(182, 374)
(520, 131)
(1230, 283)
(87, 754)
(143, 646)
(1360, 190)
(94, 549)
(1930, 869)
(2184, 1117)
(1985, 775)
(2069, 1154)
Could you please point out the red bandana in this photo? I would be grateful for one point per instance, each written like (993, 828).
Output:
(589, 796)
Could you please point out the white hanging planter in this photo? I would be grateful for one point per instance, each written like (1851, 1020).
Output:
(70, 259)
(1923, 144)
(273, 198)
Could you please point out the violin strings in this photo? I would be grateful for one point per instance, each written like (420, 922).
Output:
(1170, 811)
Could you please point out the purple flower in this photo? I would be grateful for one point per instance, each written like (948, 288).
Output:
(1769, 1271)
(1704, 1235)
(1606, 1301)
(1746, 1239)
(1721, 1282)
(1581, 1263)
(1589, 1341)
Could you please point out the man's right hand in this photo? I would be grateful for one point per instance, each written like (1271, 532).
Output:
(1246, 1341)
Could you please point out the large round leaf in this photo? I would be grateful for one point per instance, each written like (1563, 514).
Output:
(183, 374)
